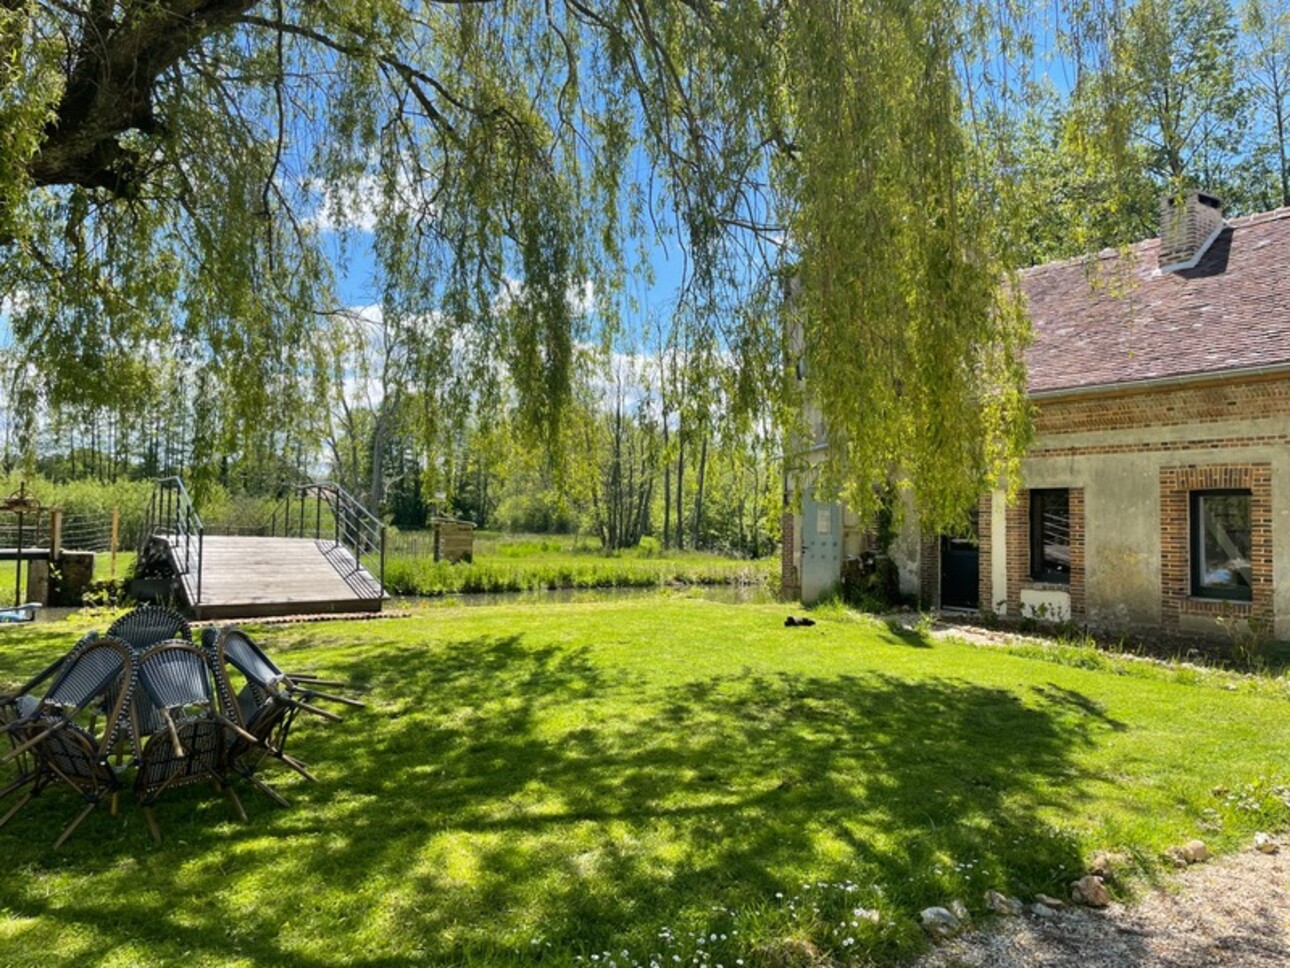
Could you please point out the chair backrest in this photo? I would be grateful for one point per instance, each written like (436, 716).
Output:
(145, 627)
(248, 658)
(90, 673)
(160, 767)
(176, 673)
(72, 755)
(27, 688)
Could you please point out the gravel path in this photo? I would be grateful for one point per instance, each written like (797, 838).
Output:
(1230, 911)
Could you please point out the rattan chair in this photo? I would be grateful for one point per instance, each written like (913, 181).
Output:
(65, 751)
(22, 704)
(175, 678)
(238, 650)
(263, 706)
(144, 627)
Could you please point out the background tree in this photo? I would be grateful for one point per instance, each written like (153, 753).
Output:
(172, 168)
(1266, 65)
(1181, 63)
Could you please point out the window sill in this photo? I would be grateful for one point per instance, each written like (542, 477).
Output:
(1046, 586)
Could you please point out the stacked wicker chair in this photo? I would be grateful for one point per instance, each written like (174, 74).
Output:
(266, 705)
(173, 704)
(65, 751)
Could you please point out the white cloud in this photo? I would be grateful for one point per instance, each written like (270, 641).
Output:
(358, 205)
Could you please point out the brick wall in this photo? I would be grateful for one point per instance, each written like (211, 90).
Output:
(929, 571)
(985, 509)
(1017, 521)
(1176, 485)
(1166, 408)
(1077, 552)
(789, 586)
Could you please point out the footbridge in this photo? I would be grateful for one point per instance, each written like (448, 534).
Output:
(319, 551)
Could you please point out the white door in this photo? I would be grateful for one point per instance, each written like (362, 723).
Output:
(821, 548)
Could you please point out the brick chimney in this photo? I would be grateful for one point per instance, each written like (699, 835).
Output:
(1188, 226)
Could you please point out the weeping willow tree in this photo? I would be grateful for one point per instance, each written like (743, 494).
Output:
(176, 175)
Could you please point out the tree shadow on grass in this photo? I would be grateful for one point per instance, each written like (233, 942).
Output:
(495, 792)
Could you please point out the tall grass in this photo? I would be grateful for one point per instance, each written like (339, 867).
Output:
(518, 563)
(424, 576)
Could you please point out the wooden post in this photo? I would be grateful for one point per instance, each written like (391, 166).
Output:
(116, 534)
(55, 534)
(17, 569)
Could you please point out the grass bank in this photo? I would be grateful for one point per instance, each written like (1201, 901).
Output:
(505, 563)
(647, 781)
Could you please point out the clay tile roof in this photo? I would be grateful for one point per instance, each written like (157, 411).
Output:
(1114, 318)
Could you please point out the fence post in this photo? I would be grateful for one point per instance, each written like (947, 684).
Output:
(116, 534)
(55, 534)
(17, 567)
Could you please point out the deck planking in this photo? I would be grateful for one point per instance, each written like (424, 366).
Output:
(254, 576)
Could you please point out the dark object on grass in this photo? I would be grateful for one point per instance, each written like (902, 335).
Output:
(791, 622)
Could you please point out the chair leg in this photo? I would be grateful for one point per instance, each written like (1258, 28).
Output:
(296, 765)
(268, 791)
(234, 799)
(76, 822)
(15, 808)
(153, 829)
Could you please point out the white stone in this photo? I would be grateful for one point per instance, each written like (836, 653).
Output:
(1265, 844)
(1042, 910)
(939, 922)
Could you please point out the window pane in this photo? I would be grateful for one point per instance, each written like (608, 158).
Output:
(1050, 535)
(1223, 529)
(1057, 531)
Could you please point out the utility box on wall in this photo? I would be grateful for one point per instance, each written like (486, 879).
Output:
(453, 540)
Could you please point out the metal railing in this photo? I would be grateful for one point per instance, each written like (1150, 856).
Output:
(325, 511)
(171, 514)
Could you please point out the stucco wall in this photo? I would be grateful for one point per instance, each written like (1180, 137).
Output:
(1119, 470)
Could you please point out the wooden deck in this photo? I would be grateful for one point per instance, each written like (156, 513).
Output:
(246, 577)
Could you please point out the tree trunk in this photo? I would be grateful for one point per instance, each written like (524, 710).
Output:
(698, 495)
(680, 493)
(667, 490)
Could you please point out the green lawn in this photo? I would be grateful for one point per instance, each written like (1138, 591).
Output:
(514, 563)
(103, 565)
(533, 784)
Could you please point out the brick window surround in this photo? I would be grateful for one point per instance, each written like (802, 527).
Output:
(789, 586)
(1176, 486)
(1017, 523)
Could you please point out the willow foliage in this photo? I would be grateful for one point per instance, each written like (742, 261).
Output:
(175, 174)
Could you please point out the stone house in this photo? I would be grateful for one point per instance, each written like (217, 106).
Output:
(1156, 492)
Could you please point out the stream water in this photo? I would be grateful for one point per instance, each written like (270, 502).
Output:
(725, 594)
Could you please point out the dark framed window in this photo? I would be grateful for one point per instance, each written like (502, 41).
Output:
(1220, 545)
(1050, 535)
